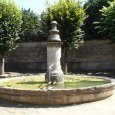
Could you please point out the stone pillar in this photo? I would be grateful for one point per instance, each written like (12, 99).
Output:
(54, 71)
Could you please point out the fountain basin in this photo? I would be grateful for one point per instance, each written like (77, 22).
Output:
(56, 96)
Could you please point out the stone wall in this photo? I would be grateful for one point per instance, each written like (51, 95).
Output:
(28, 57)
(92, 55)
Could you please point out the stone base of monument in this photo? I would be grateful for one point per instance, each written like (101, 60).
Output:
(54, 78)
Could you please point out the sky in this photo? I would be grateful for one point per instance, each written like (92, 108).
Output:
(38, 6)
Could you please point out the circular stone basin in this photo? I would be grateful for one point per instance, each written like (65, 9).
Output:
(71, 93)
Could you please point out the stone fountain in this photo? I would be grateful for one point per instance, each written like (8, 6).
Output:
(54, 71)
(55, 96)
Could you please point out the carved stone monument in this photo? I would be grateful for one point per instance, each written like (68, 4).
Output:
(54, 71)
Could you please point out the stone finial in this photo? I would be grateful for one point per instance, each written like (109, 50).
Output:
(54, 32)
(54, 25)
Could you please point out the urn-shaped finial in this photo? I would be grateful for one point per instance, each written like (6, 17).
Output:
(54, 32)
(54, 25)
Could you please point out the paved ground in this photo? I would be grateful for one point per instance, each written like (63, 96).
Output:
(103, 107)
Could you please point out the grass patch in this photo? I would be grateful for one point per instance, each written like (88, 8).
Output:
(71, 81)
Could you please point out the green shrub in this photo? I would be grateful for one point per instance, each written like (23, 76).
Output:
(10, 24)
(106, 24)
(92, 10)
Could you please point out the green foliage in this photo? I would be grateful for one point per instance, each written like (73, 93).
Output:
(70, 16)
(92, 9)
(106, 24)
(10, 23)
(30, 28)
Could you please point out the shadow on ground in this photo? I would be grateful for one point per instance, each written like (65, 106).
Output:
(110, 74)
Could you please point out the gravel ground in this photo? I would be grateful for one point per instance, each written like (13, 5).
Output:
(103, 107)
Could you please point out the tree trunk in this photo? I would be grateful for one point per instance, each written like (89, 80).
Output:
(2, 65)
(65, 68)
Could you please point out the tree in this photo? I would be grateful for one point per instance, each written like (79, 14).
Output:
(92, 10)
(70, 16)
(106, 24)
(30, 28)
(10, 23)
